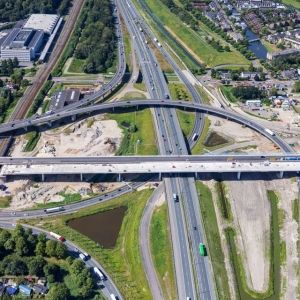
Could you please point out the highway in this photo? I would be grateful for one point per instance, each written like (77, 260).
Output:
(171, 141)
(107, 286)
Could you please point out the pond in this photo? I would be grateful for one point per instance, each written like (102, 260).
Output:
(103, 227)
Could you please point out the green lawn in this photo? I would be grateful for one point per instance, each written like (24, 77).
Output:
(133, 96)
(123, 262)
(295, 3)
(227, 92)
(179, 91)
(199, 147)
(186, 121)
(270, 47)
(213, 239)
(76, 65)
(161, 250)
(5, 201)
(193, 41)
(143, 140)
(140, 86)
(32, 138)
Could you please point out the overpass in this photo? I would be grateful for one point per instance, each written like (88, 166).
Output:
(149, 165)
(30, 124)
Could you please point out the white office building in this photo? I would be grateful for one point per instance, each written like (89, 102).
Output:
(43, 22)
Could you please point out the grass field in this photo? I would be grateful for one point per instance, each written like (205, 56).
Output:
(227, 92)
(295, 3)
(5, 201)
(193, 41)
(123, 262)
(214, 241)
(76, 66)
(199, 147)
(186, 121)
(132, 96)
(32, 138)
(143, 140)
(160, 244)
(178, 91)
(270, 47)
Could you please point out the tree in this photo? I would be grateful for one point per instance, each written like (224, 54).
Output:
(61, 250)
(14, 265)
(58, 291)
(296, 87)
(21, 247)
(36, 265)
(51, 248)
(52, 272)
(40, 248)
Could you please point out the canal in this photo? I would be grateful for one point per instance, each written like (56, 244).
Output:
(256, 47)
(102, 227)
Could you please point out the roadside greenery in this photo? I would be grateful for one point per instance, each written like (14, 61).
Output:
(32, 138)
(161, 251)
(214, 241)
(11, 10)
(23, 253)
(138, 130)
(123, 262)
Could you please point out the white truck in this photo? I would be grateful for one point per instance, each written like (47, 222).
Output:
(99, 273)
(267, 130)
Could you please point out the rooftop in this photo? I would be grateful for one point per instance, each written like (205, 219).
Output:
(43, 22)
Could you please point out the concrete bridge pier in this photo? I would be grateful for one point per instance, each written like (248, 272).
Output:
(81, 177)
(159, 176)
(73, 118)
(49, 123)
(281, 174)
(238, 175)
(43, 177)
(119, 177)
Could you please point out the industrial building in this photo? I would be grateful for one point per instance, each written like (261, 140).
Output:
(23, 44)
(32, 40)
(43, 22)
(63, 98)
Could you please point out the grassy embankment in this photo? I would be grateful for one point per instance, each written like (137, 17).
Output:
(139, 135)
(227, 92)
(123, 262)
(193, 41)
(160, 245)
(273, 290)
(214, 242)
(294, 3)
(5, 201)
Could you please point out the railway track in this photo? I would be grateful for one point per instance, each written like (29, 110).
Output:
(42, 75)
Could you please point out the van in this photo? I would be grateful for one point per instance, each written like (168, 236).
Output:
(175, 197)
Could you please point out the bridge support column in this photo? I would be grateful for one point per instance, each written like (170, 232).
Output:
(43, 177)
(81, 177)
(73, 118)
(119, 177)
(159, 176)
(281, 174)
(49, 123)
(238, 175)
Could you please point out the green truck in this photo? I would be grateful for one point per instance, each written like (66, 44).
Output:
(202, 249)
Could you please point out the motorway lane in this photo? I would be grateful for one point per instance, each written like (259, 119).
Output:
(144, 239)
(108, 286)
(154, 83)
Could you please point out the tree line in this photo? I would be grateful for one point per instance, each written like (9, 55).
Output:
(14, 10)
(23, 253)
(97, 40)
